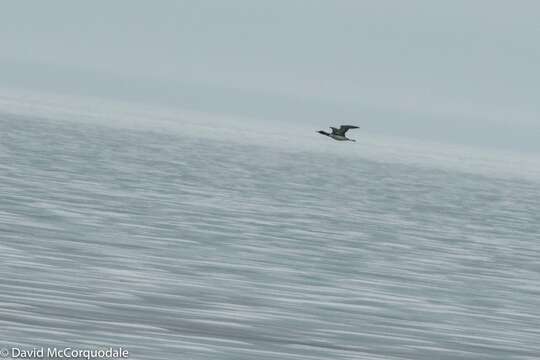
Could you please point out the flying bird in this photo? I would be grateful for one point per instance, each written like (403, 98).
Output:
(339, 134)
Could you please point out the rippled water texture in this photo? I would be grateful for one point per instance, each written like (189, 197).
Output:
(180, 247)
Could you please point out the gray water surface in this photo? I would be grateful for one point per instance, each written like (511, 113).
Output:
(176, 247)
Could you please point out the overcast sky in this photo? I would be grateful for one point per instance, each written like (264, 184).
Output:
(454, 71)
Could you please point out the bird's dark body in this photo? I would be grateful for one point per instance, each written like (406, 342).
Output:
(339, 134)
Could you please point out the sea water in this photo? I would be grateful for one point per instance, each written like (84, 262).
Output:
(189, 244)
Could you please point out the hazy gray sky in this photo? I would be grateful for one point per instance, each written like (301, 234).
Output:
(456, 71)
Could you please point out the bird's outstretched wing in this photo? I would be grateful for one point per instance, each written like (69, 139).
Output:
(342, 129)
